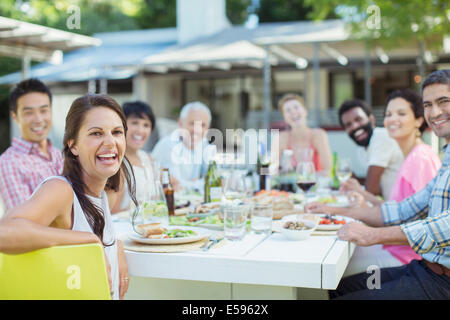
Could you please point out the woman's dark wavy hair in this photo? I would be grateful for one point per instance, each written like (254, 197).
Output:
(72, 168)
(415, 102)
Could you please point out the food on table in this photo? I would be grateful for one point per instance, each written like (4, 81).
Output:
(151, 229)
(297, 198)
(274, 193)
(295, 225)
(207, 207)
(178, 233)
(330, 199)
(282, 204)
(196, 221)
(156, 231)
(181, 211)
(329, 220)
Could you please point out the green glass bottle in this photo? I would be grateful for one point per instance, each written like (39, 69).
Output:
(334, 179)
(213, 184)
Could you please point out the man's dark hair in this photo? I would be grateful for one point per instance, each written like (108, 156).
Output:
(437, 77)
(415, 102)
(139, 109)
(24, 87)
(354, 103)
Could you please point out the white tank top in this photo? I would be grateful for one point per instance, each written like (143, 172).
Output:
(80, 223)
(144, 177)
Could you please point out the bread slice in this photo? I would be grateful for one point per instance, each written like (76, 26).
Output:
(150, 229)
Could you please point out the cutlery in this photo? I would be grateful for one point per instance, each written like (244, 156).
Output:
(203, 246)
(214, 242)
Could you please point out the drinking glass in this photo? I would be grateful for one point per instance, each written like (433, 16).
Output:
(235, 221)
(235, 186)
(306, 176)
(261, 218)
(152, 206)
(343, 169)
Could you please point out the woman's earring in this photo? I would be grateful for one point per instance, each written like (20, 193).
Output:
(418, 133)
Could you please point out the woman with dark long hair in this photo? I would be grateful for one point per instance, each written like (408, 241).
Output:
(74, 208)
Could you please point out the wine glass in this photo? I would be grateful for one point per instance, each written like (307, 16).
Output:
(235, 186)
(306, 176)
(343, 170)
(152, 206)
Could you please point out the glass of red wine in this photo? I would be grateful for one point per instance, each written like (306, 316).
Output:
(306, 176)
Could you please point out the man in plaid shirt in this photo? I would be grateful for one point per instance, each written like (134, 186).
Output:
(421, 221)
(30, 158)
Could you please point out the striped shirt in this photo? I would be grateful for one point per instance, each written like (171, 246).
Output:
(22, 167)
(424, 217)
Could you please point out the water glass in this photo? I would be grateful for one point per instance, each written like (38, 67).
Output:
(235, 221)
(261, 220)
(343, 170)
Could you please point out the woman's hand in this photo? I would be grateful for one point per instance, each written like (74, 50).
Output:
(124, 278)
(351, 185)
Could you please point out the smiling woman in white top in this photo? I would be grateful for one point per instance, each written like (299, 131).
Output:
(74, 208)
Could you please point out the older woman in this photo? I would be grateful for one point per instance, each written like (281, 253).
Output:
(73, 208)
(140, 123)
(300, 137)
(404, 120)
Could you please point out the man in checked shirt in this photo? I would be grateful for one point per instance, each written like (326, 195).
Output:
(421, 221)
(30, 158)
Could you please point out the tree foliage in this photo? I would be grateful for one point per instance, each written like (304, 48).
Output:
(390, 21)
(287, 10)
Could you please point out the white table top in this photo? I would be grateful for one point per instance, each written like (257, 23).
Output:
(317, 262)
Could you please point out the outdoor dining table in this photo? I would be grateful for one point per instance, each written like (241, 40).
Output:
(256, 267)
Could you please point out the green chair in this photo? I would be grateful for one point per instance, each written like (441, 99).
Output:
(75, 272)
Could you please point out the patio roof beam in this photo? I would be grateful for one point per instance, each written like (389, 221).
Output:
(333, 53)
(33, 53)
(257, 64)
(217, 65)
(381, 54)
(157, 69)
(187, 67)
(300, 63)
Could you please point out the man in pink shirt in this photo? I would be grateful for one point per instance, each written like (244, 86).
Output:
(31, 158)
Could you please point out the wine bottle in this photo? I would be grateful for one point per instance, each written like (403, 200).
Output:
(213, 184)
(334, 179)
(263, 164)
(168, 191)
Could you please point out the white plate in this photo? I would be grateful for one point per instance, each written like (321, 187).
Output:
(200, 234)
(333, 227)
(342, 201)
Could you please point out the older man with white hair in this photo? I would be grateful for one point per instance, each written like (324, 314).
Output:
(185, 151)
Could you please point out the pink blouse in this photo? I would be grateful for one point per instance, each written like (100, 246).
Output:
(419, 168)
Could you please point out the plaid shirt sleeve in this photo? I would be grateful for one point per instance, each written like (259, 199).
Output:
(428, 234)
(13, 189)
(410, 209)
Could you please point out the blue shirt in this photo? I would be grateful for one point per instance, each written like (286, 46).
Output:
(188, 166)
(424, 217)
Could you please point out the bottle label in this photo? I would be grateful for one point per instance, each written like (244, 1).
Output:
(165, 177)
(215, 194)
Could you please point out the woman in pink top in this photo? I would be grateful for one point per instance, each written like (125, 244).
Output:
(300, 137)
(405, 123)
